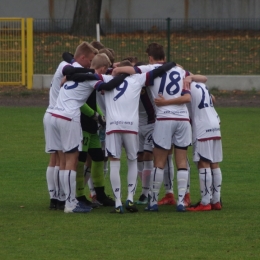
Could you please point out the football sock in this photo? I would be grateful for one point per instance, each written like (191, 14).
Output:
(70, 188)
(188, 183)
(80, 179)
(182, 179)
(131, 178)
(217, 181)
(62, 186)
(56, 180)
(205, 183)
(115, 181)
(146, 174)
(91, 187)
(50, 181)
(97, 173)
(168, 175)
(156, 179)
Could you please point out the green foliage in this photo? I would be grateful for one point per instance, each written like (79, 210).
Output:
(29, 230)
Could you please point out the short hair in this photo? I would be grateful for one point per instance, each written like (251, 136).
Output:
(132, 59)
(85, 49)
(108, 53)
(140, 63)
(156, 51)
(97, 45)
(112, 51)
(124, 63)
(100, 60)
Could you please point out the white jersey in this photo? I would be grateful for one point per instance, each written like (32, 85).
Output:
(170, 85)
(55, 86)
(101, 102)
(72, 96)
(204, 118)
(122, 104)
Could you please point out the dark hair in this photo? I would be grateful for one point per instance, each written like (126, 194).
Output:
(156, 51)
(108, 53)
(132, 59)
(125, 63)
(97, 45)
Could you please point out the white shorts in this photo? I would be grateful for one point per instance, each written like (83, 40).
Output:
(210, 149)
(48, 132)
(168, 132)
(115, 142)
(146, 137)
(67, 134)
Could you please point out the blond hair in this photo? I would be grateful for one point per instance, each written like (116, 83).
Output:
(85, 49)
(100, 60)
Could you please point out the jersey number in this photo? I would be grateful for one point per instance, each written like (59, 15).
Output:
(173, 82)
(202, 103)
(121, 90)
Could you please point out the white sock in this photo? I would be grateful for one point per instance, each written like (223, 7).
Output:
(131, 178)
(182, 179)
(156, 179)
(62, 185)
(70, 188)
(216, 181)
(56, 181)
(146, 174)
(205, 183)
(115, 181)
(168, 175)
(50, 182)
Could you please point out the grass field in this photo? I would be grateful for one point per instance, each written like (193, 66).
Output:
(29, 230)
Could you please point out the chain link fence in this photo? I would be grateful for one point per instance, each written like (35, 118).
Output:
(205, 46)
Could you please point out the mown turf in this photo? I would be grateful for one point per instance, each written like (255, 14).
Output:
(29, 230)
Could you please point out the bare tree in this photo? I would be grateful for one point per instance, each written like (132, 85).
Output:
(86, 15)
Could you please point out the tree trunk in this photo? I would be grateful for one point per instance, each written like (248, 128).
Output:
(86, 16)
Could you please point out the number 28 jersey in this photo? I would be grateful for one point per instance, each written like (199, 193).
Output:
(170, 85)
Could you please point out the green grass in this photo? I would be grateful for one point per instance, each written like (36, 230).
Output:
(29, 230)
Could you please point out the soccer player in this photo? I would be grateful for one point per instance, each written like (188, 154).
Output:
(68, 135)
(122, 130)
(55, 169)
(207, 146)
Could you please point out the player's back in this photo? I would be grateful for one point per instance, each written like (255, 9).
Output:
(122, 103)
(170, 86)
(205, 122)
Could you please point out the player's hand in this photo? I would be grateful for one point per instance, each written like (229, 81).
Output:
(160, 101)
(186, 82)
(64, 79)
(99, 119)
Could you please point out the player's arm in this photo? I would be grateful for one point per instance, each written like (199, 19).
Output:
(68, 57)
(70, 70)
(113, 83)
(188, 79)
(126, 69)
(161, 101)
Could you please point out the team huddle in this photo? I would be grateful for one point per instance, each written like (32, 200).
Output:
(155, 111)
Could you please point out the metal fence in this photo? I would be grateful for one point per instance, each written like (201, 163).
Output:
(208, 46)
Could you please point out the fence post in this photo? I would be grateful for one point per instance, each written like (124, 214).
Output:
(23, 50)
(168, 39)
(29, 30)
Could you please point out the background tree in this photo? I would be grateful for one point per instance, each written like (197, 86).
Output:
(86, 16)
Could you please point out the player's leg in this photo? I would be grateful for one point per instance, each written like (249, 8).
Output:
(217, 175)
(216, 186)
(181, 140)
(187, 200)
(168, 178)
(130, 142)
(62, 195)
(97, 172)
(71, 140)
(203, 155)
(113, 151)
